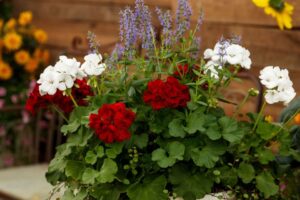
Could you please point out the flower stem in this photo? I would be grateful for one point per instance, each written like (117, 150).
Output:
(238, 108)
(72, 98)
(288, 121)
(259, 116)
(60, 113)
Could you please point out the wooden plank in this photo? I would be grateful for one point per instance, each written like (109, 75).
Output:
(61, 33)
(237, 12)
(161, 3)
(268, 46)
(77, 10)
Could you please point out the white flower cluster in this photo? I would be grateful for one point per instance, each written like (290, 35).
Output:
(226, 53)
(63, 74)
(278, 84)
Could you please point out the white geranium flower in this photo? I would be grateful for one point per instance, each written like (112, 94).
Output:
(234, 54)
(49, 82)
(92, 65)
(208, 53)
(279, 85)
(67, 66)
(269, 77)
(65, 82)
(211, 67)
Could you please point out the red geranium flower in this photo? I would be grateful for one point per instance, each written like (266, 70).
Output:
(112, 122)
(36, 102)
(169, 94)
(181, 71)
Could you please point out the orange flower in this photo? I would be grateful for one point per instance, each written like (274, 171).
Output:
(5, 71)
(25, 18)
(10, 24)
(40, 36)
(42, 55)
(1, 23)
(32, 65)
(12, 41)
(22, 57)
(297, 119)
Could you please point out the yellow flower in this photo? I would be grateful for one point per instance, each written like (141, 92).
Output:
(5, 71)
(269, 118)
(10, 24)
(25, 18)
(40, 36)
(12, 41)
(282, 11)
(32, 65)
(22, 57)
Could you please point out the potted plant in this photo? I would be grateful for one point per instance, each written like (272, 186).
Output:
(146, 125)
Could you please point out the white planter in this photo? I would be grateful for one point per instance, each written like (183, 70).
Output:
(216, 196)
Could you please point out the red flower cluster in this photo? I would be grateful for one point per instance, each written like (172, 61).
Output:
(181, 71)
(169, 94)
(112, 122)
(80, 92)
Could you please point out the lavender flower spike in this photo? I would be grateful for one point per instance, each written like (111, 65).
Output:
(128, 29)
(165, 19)
(183, 17)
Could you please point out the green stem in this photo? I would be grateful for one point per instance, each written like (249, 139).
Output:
(238, 108)
(60, 113)
(259, 115)
(288, 121)
(73, 100)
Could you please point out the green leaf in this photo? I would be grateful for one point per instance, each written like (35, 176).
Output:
(163, 161)
(230, 130)
(114, 150)
(229, 176)
(265, 156)
(266, 130)
(81, 195)
(150, 189)
(100, 151)
(89, 176)
(175, 151)
(70, 128)
(80, 138)
(195, 122)
(107, 171)
(141, 140)
(106, 191)
(246, 172)
(75, 169)
(189, 185)
(209, 155)
(176, 128)
(90, 157)
(213, 132)
(265, 183)
(68, 195)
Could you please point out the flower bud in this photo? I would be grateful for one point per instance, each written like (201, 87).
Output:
(253, 92)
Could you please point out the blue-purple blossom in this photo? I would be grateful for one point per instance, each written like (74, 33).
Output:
(196, 43)
(144, 25)
(93, 43)
(128, 28)
(165, 19)
(223, 44)
(183, 17)
(115, 56)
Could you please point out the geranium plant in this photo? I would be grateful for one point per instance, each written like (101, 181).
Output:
(146, 125)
